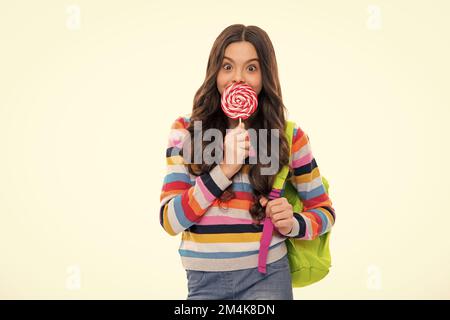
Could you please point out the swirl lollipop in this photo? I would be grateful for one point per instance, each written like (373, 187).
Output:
(239, 100)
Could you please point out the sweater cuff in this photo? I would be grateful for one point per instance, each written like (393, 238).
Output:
(295, 229)
(216, 181)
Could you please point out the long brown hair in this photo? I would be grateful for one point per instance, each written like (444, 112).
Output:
(270, 113)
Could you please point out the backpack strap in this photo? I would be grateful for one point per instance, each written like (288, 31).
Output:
(278, 184)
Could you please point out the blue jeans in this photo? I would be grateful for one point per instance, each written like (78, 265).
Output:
(246, 284)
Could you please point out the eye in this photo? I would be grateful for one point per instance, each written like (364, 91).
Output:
(252, 66)
(226, 64)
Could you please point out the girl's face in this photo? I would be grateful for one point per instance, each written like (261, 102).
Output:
(240, 63)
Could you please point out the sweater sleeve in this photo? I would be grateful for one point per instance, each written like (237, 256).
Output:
(318, 214)
(184, 201)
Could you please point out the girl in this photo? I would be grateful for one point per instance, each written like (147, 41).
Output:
(217, 207)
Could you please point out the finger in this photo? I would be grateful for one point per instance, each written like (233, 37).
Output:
(280, 205)
(241, 139)
(244, 144)
(263, 201)
(242, 136)
(237, 135)
(269, 207)
(236, 131)
(276, 208)
(278, 201)
(286, 215)
(272, 203)
(282, 223)
(240, 144)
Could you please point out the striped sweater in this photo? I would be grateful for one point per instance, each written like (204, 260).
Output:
(222, 236)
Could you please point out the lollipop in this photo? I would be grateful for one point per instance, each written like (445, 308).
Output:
(239, 101)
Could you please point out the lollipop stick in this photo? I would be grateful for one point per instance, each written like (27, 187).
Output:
(240, 121)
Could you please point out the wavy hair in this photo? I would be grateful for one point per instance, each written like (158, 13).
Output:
(270, 113)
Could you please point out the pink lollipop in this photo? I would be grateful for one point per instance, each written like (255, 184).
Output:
(239, 101)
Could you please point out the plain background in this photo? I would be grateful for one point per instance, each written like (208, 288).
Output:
(89, 90)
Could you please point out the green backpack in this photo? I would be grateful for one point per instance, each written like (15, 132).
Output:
(309, 260)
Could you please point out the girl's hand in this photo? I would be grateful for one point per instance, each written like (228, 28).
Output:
(280, 212)
(236, 149)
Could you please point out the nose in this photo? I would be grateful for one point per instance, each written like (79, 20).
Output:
(238, 77)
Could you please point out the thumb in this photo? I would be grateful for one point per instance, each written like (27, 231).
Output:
(263, 201)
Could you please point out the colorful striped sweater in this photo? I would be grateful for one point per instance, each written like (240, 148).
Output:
(222, 236)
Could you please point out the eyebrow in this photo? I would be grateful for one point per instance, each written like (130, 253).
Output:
(256, 59)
